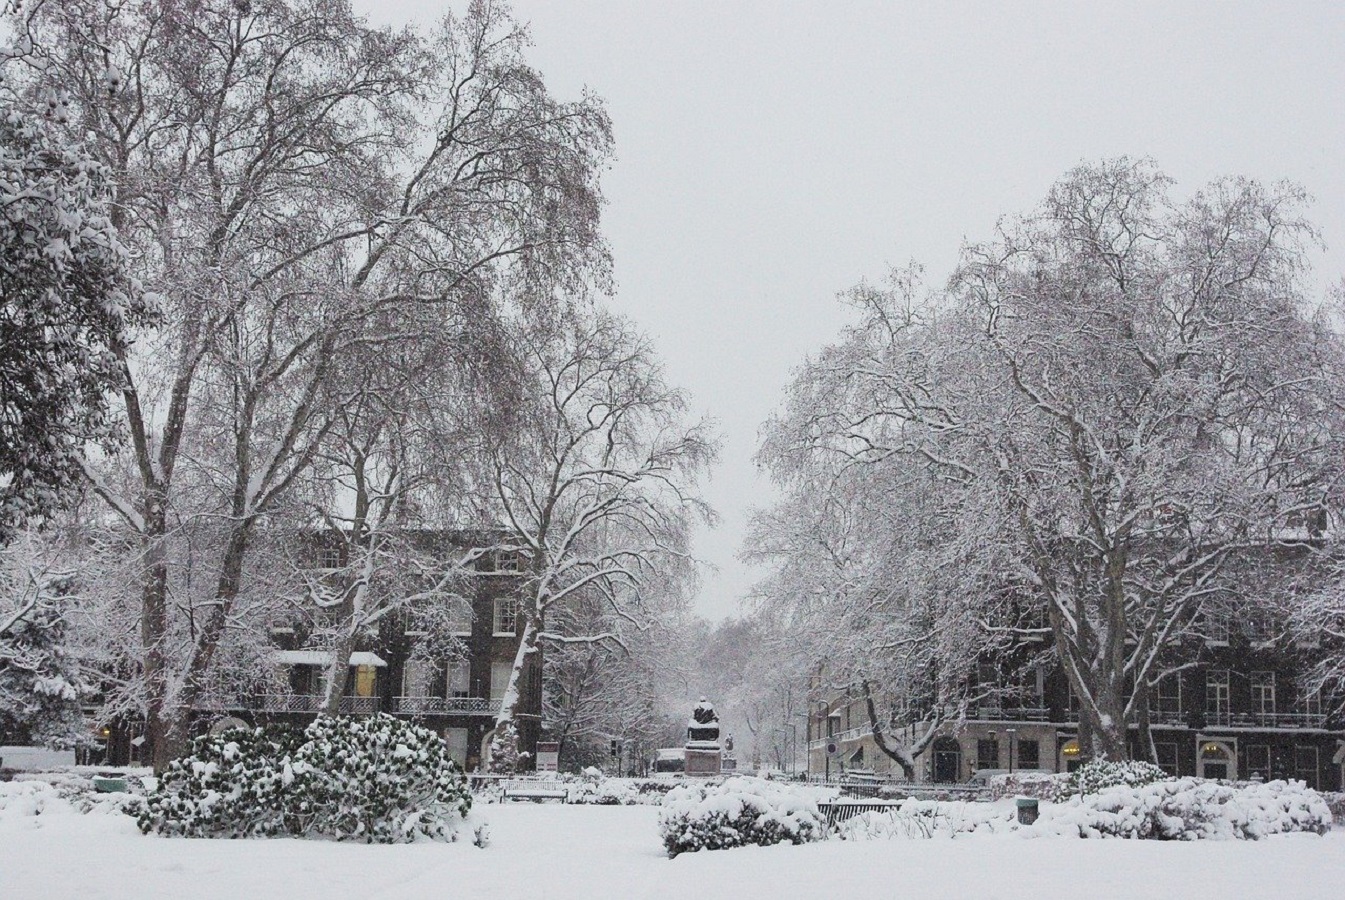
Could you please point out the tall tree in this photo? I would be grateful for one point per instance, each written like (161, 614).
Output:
(597, 488)
(1111, 403)
(283, 173)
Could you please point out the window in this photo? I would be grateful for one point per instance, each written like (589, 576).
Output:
(456, 738)
(459, 674)
(1032, 687)
(1259, 629)
(1216, 696)
(500, 670)
(416, 678)
(508, 560)
(459, 615)
(1217, 627)
(1263, 694)
(329, 557)
(1165, 701)
(987, 753)
(1305, 765)
(1029, 755)
(1311, 703)
(1258, 761)
(1165, 753)
(506, 615)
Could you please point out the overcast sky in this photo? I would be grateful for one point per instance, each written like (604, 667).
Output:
(772, 154)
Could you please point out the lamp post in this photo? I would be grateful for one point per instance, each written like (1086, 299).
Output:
(1011, 732)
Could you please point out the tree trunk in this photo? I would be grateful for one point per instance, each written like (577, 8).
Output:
(903, 759)
(504, 746)
(338, 672)
(154, 628)
(177, 718)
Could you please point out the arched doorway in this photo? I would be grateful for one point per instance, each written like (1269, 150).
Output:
(1216, 759)
(947, 755)
(1069, 755)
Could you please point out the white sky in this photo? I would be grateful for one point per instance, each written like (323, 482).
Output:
(772, 154)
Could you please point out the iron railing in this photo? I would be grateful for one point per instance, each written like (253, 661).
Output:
(446, 706)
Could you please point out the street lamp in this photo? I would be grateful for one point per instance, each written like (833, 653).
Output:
(1011, 732)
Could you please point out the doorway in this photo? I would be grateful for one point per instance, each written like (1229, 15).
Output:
(1216, 759)
(947, 760)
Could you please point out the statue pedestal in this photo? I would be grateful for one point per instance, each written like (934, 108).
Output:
(704, 760)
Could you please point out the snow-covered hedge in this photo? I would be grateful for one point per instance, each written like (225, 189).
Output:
(1179, 809)
(1191, 809)
(1040, 785)
(738, 812)
(379, 779)
(1099, 774)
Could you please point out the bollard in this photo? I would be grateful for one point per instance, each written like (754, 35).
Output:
(1027, 810)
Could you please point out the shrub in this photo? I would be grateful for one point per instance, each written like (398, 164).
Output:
(239, 783)
(378, 780)
(1191, 809)
(1098, 774)
(738, 812)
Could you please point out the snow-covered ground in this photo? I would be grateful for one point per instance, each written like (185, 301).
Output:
(559, 852)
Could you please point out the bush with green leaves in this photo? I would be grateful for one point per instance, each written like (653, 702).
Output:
(378, 780)
(239, 783)
(1098, 774)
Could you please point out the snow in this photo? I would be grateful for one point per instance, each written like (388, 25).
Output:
(564, 852)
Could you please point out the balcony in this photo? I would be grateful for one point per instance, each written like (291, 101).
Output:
(445, 706)
(1006, 713)
(1278, 720)
(287, 703)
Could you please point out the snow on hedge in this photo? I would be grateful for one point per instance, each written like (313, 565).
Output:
(738, 812)
(1191, 809)
(1175, 809)
(379, 780)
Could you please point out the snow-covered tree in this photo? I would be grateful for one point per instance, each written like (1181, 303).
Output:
(65, 303)
(42, 678)
(1110, 408)
(283, 172)
(596, 487)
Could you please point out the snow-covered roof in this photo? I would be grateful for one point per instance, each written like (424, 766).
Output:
(324, 658)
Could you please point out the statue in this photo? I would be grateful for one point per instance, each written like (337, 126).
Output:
(703, 752)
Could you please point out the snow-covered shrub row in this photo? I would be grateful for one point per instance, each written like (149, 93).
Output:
(1039, 785)
(1190, 809)
(34, 797)
(926, 819)
(1098, 774)
(379, 779)
(738, 812)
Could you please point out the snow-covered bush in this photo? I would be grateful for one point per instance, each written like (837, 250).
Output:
(381, 780)
(240, 783)
(737, 812)
(915, 819)
(1041, 785)
(1190, 809)
(607, 792)
(377, 780)
(1099, 774)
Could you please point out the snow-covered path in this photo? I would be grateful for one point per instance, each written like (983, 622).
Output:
(560, 852)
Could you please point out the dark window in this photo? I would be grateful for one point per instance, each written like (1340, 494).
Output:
(329, 557)
(1166, 699)
(1029, 755)
(1305, 765)
(1258, 761)
(987, 753)
(1263, 694)
(1166, 756)
(1216, 696)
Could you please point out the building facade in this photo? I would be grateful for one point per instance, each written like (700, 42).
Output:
(452, 683)
(1235, 712)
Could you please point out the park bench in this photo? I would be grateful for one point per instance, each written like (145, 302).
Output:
(535, 790)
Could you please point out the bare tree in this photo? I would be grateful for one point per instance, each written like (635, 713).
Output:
(596, 490)
(1112, 402)
(283, 173)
